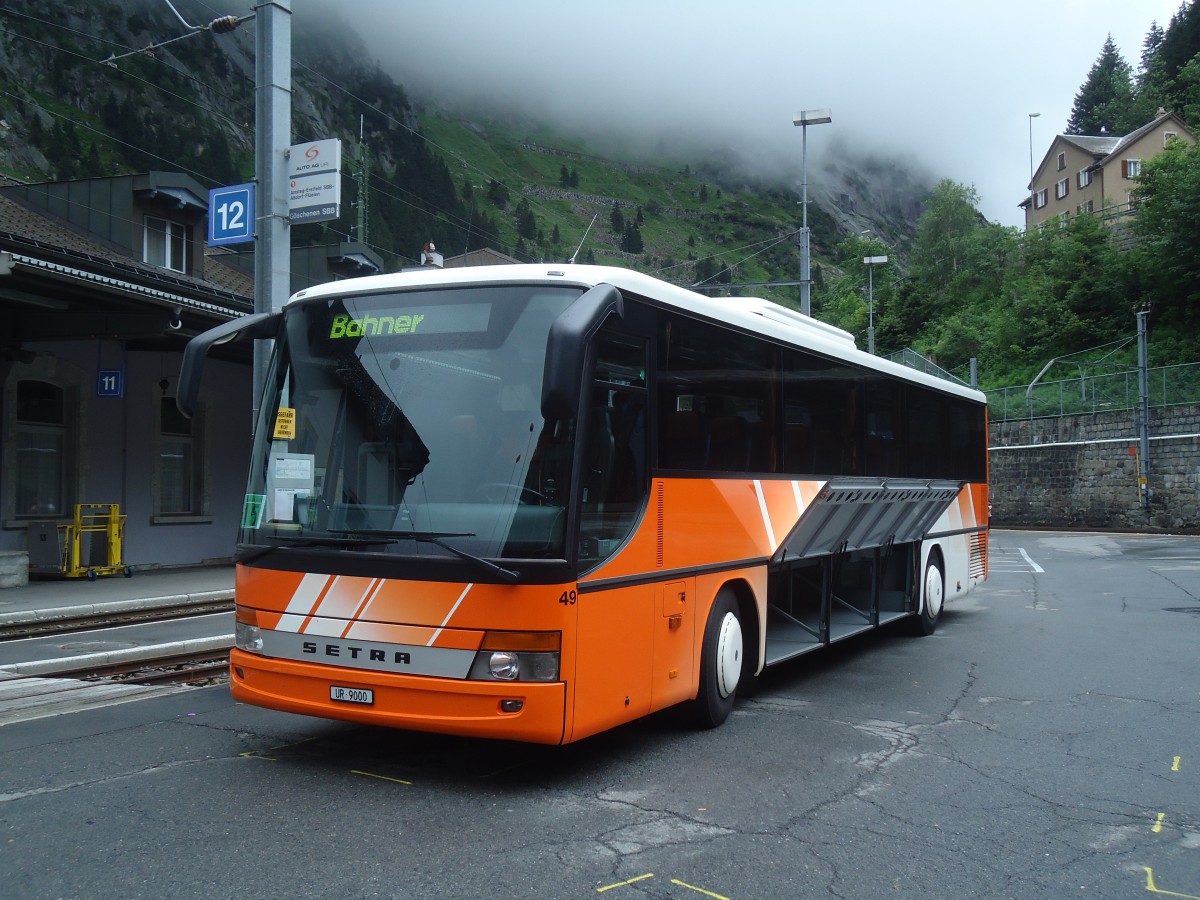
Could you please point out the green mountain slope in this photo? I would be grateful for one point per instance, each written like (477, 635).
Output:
(527, 189)
(690, 226)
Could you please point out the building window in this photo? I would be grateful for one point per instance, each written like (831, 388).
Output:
(1085, 177)
(42, 486)
(178, 472)
(1084, 207)
(1169, 136)
(1039, 199)
(1062, 188)
(1062, 161)
(165, 244)
(1064, 219)
(1131, 168)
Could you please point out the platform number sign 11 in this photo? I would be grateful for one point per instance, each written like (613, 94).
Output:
(231, 215)
(110, 383)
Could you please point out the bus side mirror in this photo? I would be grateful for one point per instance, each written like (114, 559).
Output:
(566, 348)
(256, 325)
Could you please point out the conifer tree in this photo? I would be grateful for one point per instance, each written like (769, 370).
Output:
(1104, 105)
(617, 220)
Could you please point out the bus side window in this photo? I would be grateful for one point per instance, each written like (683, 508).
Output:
(684, 440)
(614, 483)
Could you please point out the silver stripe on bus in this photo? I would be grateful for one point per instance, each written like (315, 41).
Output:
(372, 656)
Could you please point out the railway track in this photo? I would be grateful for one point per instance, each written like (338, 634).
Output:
(95, 649)
(88, 619)
(68, 659)
(201, 668)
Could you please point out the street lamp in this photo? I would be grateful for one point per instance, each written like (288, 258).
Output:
(804, 119)
(871, 262)
(1032, 192)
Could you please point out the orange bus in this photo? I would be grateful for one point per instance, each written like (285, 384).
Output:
(535, 502)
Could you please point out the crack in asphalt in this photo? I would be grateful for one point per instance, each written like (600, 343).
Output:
(665, 828)
(109, 779)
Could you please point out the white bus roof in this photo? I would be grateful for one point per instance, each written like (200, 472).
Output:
(752, 314)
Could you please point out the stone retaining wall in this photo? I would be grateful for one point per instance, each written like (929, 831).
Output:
(1082, 471)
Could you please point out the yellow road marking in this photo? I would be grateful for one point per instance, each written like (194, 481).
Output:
(692, 887)
(380, 777)
(1158, 824)
(1175, 765)
(1152, 888)
(258, 754)
(609, 887)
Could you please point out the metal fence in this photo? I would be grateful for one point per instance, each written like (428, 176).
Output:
(1169, 386)
(914, 360)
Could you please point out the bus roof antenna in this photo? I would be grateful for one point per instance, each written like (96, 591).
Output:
(584, 238)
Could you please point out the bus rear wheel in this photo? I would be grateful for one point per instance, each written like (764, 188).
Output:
(933, 593)
(720, 662)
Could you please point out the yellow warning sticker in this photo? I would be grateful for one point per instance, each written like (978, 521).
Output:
(285, 424)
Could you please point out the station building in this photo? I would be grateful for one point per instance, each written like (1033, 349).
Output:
(102, 283)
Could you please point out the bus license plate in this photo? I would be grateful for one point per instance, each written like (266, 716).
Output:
(351, 695)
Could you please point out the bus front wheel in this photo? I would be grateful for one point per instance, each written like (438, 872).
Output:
(933, 596)
(720, 662)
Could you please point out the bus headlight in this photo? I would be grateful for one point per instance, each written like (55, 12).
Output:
(505, 665)
(246, 633)
(517, 656)
(247, 637)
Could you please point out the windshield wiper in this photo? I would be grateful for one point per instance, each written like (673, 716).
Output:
(435, 537)
(287, 540)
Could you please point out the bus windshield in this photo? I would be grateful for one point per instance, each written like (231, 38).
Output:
(410, 423)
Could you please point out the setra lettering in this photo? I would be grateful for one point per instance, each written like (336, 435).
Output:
(370, 654)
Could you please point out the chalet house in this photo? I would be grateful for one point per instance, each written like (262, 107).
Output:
(1096, 175)
(102, 282)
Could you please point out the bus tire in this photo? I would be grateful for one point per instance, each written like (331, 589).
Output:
(933, 596)
(720, 662)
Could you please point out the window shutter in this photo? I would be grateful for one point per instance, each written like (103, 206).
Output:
(1124, 168)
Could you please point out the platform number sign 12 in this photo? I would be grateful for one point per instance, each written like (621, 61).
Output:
(231, 215)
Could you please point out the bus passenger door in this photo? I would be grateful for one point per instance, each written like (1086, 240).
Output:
(674, 638)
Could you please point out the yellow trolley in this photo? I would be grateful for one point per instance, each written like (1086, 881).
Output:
(105, 524)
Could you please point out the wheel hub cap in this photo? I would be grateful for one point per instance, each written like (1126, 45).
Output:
(729, 655)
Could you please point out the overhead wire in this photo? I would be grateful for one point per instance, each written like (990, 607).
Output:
(430, 209)
(422, 205)
(770, 242)
(208, 86)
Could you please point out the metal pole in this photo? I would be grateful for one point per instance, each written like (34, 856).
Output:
(871, 262)
(272, 137)
(871, 311)
(804, 119)
(1143, 408)
(1032, 192)
(805, 283)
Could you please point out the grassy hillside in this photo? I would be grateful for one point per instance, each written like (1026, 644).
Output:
(690, 225)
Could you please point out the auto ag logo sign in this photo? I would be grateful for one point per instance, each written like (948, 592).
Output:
(314, 181)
